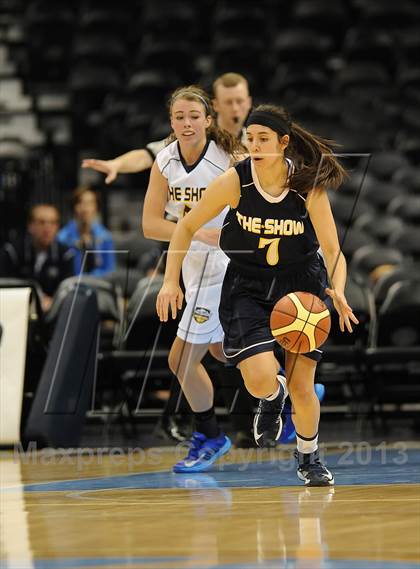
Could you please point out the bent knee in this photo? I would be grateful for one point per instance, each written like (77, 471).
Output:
(175, 361)
(180, 362)
(260, 387)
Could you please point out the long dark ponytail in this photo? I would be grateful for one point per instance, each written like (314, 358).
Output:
(315, 163)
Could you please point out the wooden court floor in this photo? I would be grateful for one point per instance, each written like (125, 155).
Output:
(115, 509)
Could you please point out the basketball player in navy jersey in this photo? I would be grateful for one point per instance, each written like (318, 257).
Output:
(279, 217)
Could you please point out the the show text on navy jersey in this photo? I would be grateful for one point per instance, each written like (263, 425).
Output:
(270, 226)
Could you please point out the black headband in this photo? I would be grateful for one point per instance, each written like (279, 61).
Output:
(274, 122)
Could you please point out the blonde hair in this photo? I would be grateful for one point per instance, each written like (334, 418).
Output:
(229, 80)
(222, 138)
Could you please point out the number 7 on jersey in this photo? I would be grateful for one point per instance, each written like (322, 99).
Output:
(272, 251)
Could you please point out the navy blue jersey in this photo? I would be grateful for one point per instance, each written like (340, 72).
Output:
(266, 232)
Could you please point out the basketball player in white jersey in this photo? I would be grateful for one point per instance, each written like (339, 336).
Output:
(198, 154)
(232, 104)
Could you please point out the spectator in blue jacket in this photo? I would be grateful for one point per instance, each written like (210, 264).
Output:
(84, 234)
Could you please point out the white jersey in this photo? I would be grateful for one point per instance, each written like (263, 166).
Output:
(153, 148)
(204, 266)
(188, 183)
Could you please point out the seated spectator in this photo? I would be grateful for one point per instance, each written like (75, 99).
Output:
(84, 234)
(38, 255)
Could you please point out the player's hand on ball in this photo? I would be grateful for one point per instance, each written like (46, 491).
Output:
(170, 295)
(345, 312)
(108, 167)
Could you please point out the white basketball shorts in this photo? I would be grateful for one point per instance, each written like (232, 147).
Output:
(203, 271)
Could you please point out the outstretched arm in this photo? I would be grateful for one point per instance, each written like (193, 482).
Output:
(128, 163)
(318, 206)
(222, 192)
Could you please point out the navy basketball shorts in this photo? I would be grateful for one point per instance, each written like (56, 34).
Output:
(247, 301)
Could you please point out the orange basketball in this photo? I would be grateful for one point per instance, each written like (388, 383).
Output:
(300, 322)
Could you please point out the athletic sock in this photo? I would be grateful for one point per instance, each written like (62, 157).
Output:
(281, 381)
(273, 395)
(206, 423)
(307, 445)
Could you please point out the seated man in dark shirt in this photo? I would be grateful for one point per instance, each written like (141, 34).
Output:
(38, 255)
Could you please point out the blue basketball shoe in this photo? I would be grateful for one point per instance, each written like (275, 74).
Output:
(288, 433)
(203, 453)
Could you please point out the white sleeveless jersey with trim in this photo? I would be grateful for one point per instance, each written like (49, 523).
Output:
(154, 147)
(204, 266)
(188, 182)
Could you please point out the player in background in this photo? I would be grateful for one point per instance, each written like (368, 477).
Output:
(232, 103)
(282, 184)
(198, 152)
